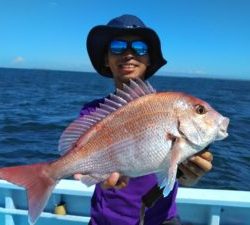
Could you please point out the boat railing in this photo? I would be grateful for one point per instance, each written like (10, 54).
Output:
(70, 204)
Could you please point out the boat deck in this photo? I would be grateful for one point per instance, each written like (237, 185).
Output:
(195, 206)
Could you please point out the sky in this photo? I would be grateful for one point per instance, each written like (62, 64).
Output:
(201, 38)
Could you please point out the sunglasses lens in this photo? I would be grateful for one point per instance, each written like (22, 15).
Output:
(140, 47)
(118, 47)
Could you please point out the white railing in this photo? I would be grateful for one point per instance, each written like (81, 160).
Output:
(196, 206)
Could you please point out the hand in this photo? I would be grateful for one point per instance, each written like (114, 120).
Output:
(115, 180)
(195, 167)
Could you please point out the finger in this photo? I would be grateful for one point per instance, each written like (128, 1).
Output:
(122, 182)
(206, 155)
(188, 178)
(191, 170)
(111, 181)
(78, 176)
(201, 163)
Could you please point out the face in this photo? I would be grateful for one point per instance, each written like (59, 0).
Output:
(201, 124)
(127, 65)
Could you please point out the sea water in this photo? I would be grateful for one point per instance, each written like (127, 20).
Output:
(37, 105)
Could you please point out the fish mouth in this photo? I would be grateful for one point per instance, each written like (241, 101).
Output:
(223, 126)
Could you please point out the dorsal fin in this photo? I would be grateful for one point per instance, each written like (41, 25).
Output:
(76, 129)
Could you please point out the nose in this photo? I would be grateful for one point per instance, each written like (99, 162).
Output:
(128, 54)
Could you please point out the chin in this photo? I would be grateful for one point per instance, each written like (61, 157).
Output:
(129, 76)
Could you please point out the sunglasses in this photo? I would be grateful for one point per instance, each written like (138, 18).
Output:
(118, 47)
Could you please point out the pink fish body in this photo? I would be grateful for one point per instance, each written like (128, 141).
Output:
(135, 132)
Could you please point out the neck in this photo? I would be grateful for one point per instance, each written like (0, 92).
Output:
(119, 84)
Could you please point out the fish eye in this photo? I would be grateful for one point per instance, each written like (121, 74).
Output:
(200, 109)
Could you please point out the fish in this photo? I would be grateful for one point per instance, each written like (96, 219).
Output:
(136, 131)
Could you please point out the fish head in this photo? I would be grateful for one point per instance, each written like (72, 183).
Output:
(198, 122)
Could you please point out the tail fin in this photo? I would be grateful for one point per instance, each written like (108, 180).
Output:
(39, 185)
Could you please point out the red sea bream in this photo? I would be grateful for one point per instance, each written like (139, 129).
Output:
(135, 132)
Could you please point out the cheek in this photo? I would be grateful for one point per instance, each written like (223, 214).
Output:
(111, 62)
(208, 125)
(112, 67)
(144, 63)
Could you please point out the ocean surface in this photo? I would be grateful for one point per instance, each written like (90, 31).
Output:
(37, 105)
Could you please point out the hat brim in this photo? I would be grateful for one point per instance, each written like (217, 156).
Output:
(100, 36)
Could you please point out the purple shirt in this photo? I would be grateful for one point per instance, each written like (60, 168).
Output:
(112, 207)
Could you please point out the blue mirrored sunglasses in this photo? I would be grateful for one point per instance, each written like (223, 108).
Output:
(118, 47)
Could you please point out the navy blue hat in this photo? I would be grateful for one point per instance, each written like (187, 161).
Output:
(100, 36)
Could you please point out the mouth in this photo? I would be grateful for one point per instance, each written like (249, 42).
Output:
(223, 129)
(127, 66)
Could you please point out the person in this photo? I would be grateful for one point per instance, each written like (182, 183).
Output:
(126, 49)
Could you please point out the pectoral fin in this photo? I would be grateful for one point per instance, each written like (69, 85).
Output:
(167, 179)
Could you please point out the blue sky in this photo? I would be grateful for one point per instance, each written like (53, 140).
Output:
(205, 38)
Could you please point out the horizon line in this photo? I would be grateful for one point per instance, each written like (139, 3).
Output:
(168, 74)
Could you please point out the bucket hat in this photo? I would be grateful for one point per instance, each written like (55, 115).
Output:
(100, 36)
